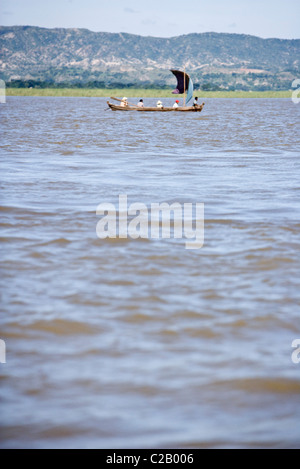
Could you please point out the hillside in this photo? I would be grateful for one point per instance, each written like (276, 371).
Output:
(220, 61)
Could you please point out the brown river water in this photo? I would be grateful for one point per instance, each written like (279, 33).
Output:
(141, 343)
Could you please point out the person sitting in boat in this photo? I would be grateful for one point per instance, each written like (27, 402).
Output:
(159, 104)
(196, 104)
(141, 103)
(124, 102)
(176, 104)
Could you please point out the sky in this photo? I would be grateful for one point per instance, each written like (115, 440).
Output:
(161, 18)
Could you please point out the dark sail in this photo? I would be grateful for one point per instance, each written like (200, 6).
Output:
(184, 84)
(180, 81)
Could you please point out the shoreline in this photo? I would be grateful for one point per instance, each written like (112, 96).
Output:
(138, 93)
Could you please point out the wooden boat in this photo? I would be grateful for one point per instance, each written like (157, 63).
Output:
(184, 86)
(115, 107)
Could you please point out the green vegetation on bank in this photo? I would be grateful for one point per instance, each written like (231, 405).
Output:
(140, 93)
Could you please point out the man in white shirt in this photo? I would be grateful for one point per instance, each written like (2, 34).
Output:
(176, 104)
(124, 102)
(141, 103)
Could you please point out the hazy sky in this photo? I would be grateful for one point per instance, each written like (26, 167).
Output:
(264, 18)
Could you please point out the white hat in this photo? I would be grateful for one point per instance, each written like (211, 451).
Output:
(124, 99)
(159, 102)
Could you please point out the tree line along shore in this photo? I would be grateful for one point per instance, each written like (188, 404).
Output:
(139, 93)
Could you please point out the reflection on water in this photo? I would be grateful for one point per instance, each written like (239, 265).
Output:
(141, 343)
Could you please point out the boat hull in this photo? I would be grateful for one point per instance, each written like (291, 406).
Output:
(115, 107)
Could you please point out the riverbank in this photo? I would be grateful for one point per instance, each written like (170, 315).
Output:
(136, 93)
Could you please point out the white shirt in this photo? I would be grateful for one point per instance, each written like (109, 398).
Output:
(140, 104)
(175, 106)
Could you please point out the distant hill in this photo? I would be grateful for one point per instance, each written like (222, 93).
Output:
(215, 61)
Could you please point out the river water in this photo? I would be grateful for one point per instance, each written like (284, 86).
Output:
(142, 343)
